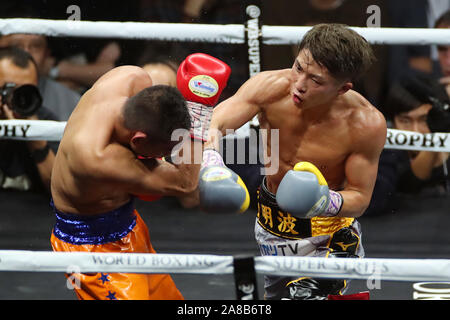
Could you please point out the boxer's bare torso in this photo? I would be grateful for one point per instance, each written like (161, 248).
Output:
(343, 136)
(325, 138)
(95, 170)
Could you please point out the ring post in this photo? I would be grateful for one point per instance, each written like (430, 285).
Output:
(253, 36)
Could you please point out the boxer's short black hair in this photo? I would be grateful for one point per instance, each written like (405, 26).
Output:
(345, 53)
(157, 111)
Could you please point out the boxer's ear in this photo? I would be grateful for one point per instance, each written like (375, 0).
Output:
(345, 87)
(138, 138)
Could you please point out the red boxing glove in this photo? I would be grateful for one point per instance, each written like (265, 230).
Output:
(201, 79)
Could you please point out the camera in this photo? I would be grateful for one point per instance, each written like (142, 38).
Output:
(438, 118)
(25, 100)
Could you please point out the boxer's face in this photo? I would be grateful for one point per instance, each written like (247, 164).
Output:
(414, 120)
(312, 84)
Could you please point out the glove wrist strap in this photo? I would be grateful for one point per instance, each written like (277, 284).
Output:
(200, 120)
(334, 205)
(212, 157)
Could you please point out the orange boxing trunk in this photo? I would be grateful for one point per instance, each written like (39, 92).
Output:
(121, 230)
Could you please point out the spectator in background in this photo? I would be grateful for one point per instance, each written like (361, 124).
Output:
(410, 172)
(436, 8)
(410, 59)
(74, 62)
(161, 71)
(57, 97)
(192, 9)
(24, 165)
(163, 11)
(79, 73)
(444, 54)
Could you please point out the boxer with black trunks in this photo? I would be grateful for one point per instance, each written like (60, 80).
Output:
(111, 152)
(330, 140)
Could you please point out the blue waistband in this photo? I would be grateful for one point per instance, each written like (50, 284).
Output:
(99, 229)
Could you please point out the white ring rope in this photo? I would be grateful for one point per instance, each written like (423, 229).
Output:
(281, 35)
(355, 268)
(32, 130)
(336, 268)
(85, 262)
(230, 33)
(53, 131)
(126, 30)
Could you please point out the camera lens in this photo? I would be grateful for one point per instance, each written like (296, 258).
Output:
(26, 100)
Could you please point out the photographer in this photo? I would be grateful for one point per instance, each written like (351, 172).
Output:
(409, 106)
(24, 165)
(57, 97)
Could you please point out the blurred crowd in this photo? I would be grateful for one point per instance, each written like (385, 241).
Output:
(407, 83)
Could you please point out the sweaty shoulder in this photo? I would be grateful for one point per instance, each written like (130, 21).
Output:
(267, 87)
(366, 121)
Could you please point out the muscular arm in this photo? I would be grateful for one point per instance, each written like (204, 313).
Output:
(361, 169)
(247, 102)
(118, 165)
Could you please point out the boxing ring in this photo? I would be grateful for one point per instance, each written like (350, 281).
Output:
(243, 268)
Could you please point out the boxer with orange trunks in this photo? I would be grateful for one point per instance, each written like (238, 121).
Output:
(110, 153)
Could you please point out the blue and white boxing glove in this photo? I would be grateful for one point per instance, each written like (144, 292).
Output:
(304, 193)
(220, 189)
